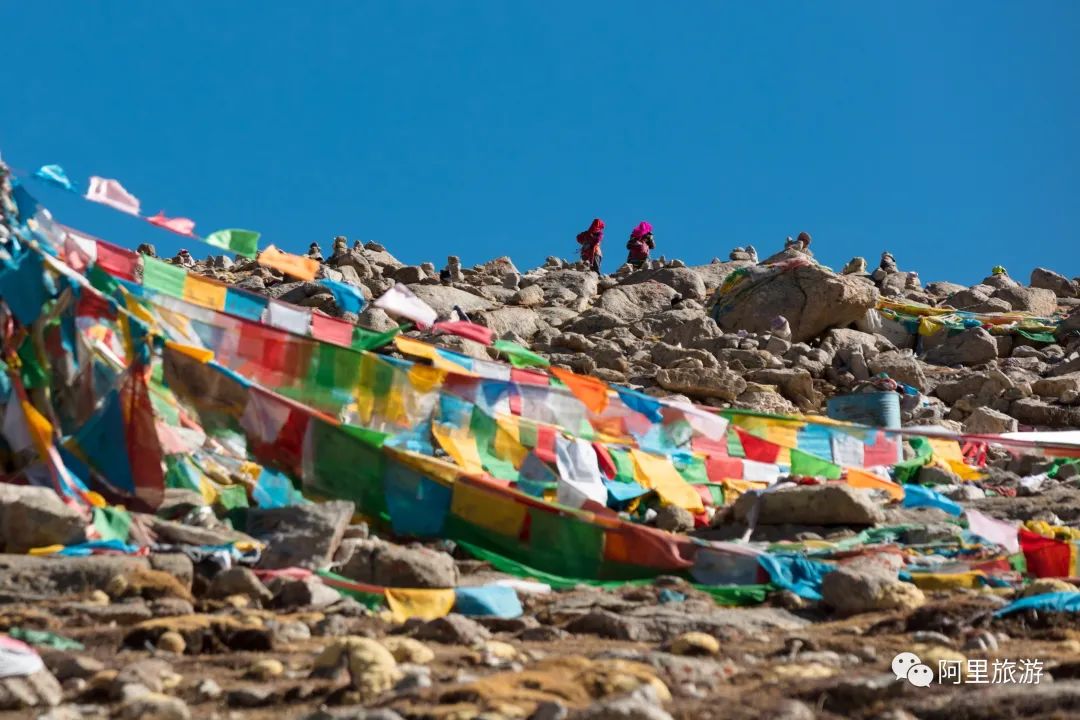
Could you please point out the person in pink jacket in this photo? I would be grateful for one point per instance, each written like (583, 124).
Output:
(640, 243)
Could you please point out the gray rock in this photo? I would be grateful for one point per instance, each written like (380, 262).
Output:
(702, 383)
(308, 592)
(443, 298)
(154, 706)
(453, 629)
(238, 581)
(970, 347)
(1055, 283)
(795, 384)
(674, 519)
(409, 274)
(984, 421)
(684, 281)
(829, 504)
(642, 704)
(528, 296)
(38, 690)
(300, 535)
(1031, 411)
(354, 713)
(900, 367)
(1038, 301)
(519, 320)
(250, 697)
(389, 565)
(631, 302)
(1055, 387)
(27, 576)
(32, 517)
(869, 584)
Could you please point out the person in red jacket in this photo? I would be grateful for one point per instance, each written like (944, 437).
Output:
(640, 243)
(590, 244)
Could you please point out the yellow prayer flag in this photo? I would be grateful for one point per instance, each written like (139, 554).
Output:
(487, 509)
(657, 473)
(197, 353)
(859, 478)
(203, 292)
(408, 603)
(460, 445)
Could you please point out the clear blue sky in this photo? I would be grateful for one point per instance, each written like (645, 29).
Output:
(946, 132)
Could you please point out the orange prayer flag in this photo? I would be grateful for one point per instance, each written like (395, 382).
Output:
(591, 391)
(302, 268)
(862, 479)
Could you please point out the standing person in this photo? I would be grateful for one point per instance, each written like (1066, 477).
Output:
(640, 243)
(590, 245)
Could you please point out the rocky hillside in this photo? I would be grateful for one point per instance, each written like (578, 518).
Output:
(785, 344)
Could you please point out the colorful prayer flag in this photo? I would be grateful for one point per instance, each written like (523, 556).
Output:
(520, 357)
(55, 175)
(179, 225)
(112, 193)
(400, 301)
(301, 268)
(241, 242)
(467, 330)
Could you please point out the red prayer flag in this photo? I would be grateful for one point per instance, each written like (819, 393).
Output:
(180, 225)
(605, 461)
(117, 261)
(467, 330)
(331, 329)
(756, 448)
(1046, 557)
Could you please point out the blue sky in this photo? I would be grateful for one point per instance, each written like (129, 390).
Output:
(945, 132)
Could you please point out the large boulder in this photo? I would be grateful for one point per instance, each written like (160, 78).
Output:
(443, 298)
(974, 346)
(523, 322)
(682, 280)
(1054, 387)
(986, 421)
(812, 299)
(565, 287)
(1032, 411)
(900, 367)
(869, 584)
(32, 517)
(1037, 301)
(1055, 283)
(631, 302)
(707, 383)
(830, 504)
(383, 563)
(795, 384)
(304, 536)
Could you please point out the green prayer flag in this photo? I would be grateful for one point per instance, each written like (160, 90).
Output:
(101, 281)
(803, 463)
(32, 373)
(163, 277)
(905, 472)
(519, 357)
(241, 242)
(722, 594)
(370, 340)
(112, 523)
(232, 496)
(1043, 336)
(44, 638)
